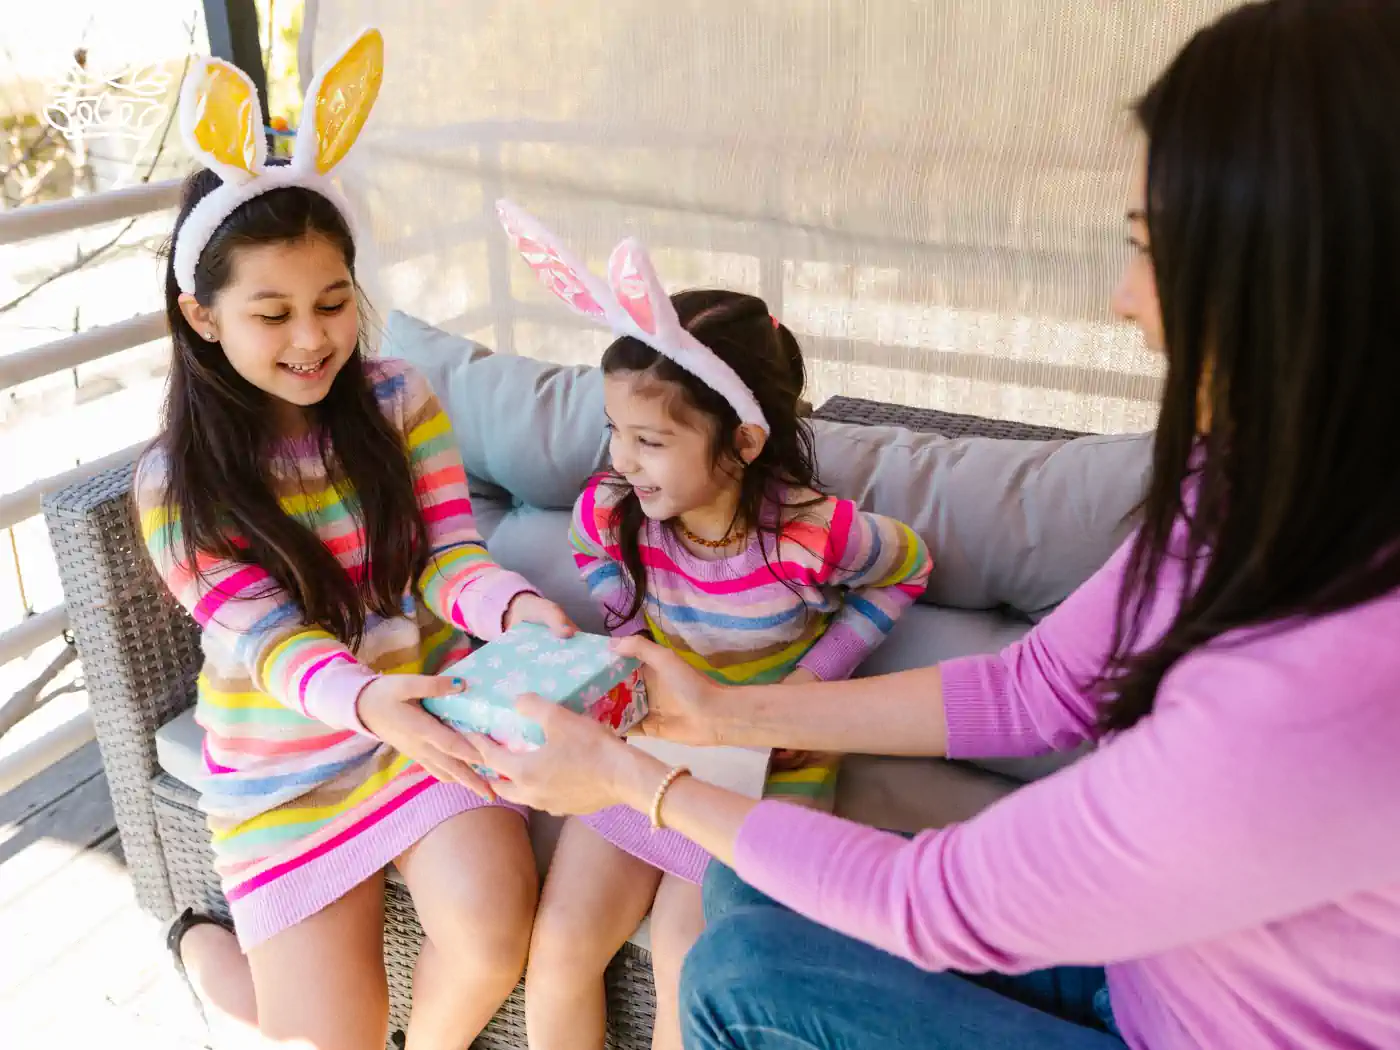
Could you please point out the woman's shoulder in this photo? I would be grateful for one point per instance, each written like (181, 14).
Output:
(1303, 671)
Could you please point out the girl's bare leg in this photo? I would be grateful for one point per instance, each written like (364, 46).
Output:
(595, 897)
(474, 885)
(321, 982)
(677, 920)
(219, 974)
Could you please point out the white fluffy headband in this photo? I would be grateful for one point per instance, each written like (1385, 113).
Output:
(631, 302)
(221, 122)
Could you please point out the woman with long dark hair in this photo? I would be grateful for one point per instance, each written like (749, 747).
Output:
(1223, 870)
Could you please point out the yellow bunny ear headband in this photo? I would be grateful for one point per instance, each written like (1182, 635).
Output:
(222, 124)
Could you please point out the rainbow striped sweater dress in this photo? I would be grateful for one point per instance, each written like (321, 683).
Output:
(303, 803)
(822, 596)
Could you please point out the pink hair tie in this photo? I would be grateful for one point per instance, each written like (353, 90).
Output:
(776, 323)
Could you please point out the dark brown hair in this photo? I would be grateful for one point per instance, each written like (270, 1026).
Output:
(217, 441)
(1273, 208)
(766, 358)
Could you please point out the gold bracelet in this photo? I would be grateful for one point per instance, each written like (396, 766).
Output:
(656, 800)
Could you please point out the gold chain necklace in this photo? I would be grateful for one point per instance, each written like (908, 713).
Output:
(736, 534)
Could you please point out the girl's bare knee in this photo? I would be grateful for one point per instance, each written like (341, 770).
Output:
(594, 897)
(473, 882)
(346, 1005)
(489, 938)
(568, 943)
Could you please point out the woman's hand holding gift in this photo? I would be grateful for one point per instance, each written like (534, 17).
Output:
(581, 768)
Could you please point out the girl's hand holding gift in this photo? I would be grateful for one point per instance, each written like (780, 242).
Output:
(531, 608)
(389, 707)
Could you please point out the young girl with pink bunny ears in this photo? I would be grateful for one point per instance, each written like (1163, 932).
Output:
(710, 535)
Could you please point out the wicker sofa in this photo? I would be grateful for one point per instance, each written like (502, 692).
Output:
(1014, 525)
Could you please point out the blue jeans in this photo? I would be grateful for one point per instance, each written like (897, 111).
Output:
(764, 978)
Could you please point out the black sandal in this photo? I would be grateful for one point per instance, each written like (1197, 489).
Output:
(183, 924)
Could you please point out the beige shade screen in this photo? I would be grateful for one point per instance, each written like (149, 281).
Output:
(929, 193)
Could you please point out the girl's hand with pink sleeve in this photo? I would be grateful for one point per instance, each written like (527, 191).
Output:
(532, 608)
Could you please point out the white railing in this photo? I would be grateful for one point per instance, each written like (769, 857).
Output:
(16, 506)
(75, 350)
(18, 226)
(42, 220)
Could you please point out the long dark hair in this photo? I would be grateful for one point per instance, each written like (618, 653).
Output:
(217, 440)
(1273, 208)
(766, 357)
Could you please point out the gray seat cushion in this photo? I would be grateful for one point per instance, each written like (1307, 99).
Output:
(180, 748)
(1009, 523)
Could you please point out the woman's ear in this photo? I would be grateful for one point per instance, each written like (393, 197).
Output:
(749, 440)
(200, 318)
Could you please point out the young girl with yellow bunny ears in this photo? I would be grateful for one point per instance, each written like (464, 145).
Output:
(307, 505)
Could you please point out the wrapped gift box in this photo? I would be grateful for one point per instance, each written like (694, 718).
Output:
(580, 673)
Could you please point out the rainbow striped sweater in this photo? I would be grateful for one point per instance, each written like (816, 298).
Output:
(302, 801)
(820, 595)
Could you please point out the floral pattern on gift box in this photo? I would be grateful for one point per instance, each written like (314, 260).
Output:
(620, 706)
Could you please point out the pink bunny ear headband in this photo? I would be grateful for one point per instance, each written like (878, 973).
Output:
(222, 125)
(631, 302)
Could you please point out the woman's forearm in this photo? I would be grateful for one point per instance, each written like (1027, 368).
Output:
(895, 714)
(707, 815)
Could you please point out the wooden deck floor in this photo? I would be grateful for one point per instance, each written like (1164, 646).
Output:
(80, 964)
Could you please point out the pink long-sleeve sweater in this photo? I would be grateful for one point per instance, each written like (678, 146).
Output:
(1234, 858)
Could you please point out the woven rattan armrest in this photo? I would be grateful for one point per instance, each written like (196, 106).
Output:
(139, 650)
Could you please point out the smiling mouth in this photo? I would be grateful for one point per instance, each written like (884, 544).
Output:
(645, 491)
(307, 371)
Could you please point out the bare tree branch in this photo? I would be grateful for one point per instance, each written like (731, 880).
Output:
(73, 267)
(28, 154)
(28, 700)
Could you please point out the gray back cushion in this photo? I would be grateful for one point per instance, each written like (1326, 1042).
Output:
(525, 427)
(1016, 523)
(1010, 523)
